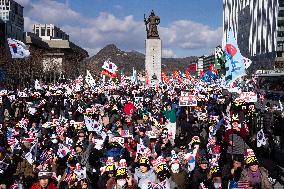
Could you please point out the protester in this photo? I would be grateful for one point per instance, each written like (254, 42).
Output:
(44, 181)
(256, 176)
(127, 136)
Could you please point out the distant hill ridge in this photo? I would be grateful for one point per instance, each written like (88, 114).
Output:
(127, 60)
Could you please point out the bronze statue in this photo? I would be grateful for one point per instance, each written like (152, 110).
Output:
(151, 26)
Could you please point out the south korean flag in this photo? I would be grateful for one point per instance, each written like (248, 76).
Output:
(261, 139)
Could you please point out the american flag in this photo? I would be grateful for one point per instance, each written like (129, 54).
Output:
(238, 185)
(31, 137)
(11, 141)
(124, 133)
(10, 137)
(60, 131)
(243, 184)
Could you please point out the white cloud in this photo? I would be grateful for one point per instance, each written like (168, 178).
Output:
(168, 53)
(186, 34)
(50, 11)
(127, 33)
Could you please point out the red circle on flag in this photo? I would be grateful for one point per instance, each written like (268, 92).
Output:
(231, 49)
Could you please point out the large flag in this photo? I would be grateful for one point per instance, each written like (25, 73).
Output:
(89, 79)
(37, 85)
(31, 155)
(109, 69)
(201, 73)
(235, 67)
(18, 49)
(188, 77)
(247, 62)
(134, 76)
(177, 77)
(122, 78)
(109, 66)
(147, 78)
(165, 79)
(213, 70)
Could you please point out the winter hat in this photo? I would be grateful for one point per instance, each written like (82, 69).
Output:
(110, 166)
(235, 118)
(250, 158)
(215, 172)
(144, 161)
(195, 140)
(79, 144)
(44, 175)
(202, 160)
(121, 171)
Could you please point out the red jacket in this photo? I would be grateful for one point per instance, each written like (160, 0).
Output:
(242, 133)
(37, 186)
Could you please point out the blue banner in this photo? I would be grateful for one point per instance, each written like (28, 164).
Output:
(235, 67)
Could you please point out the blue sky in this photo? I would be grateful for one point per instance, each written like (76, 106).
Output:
(188, 27)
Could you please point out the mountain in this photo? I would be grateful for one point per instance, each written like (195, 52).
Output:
(127, 60)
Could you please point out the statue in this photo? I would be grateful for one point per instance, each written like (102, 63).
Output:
(151, 26)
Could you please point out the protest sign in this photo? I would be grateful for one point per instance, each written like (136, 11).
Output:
(187, 99)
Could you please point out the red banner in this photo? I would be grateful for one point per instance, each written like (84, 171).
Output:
(108, 74)
(177, 77)
(165, 79)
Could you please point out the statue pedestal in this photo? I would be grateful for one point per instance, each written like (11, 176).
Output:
(153, 57)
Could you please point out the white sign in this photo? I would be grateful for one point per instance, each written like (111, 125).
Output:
(187, 99)
(248, 96)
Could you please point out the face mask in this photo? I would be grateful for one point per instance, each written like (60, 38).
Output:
(121, 182)
(217, 185)
(54, 141)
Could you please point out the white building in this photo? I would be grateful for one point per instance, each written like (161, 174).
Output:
(11, 13)
(49, 32)
(200, 64)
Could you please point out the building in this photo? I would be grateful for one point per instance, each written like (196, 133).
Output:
(11, 13)
(208, 61)
(200, 67)
(256, 26)
(60, 55)
(49, 32)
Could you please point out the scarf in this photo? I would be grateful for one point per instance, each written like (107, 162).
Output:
(254, 178)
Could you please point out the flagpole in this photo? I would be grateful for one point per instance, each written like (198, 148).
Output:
(231, 101)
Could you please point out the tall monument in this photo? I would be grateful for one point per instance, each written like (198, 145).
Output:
(153, 47)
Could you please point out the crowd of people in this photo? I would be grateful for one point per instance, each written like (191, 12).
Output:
(115, 135)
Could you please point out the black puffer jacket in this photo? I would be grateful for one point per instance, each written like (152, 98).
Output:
(198, 176)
